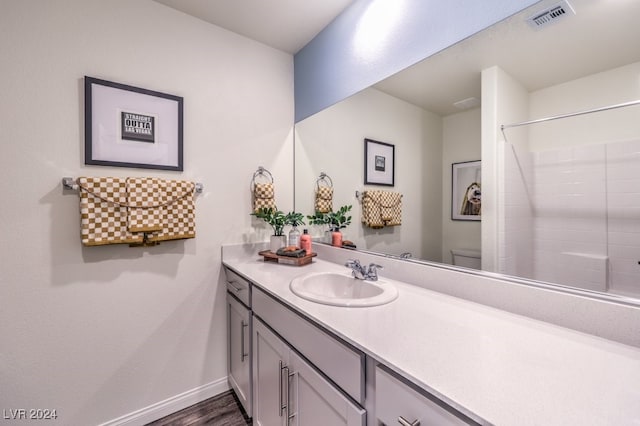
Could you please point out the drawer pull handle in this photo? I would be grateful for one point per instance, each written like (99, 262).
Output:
(288, 376)
(282, 406)
(243, 351)
(236, 289)
(404, 422)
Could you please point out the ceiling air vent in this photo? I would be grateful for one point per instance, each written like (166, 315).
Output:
(467, 103)
(551, 14)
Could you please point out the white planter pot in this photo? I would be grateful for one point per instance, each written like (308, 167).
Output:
(276, 242)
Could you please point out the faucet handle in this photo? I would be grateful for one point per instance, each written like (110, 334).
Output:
(352, 262)
(372, 271)
(375, 266)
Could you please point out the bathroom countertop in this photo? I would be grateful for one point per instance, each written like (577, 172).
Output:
(505, 368)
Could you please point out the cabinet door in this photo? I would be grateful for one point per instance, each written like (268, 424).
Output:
(270, 378)
(239, 351)
(316, 402)
(397, 403)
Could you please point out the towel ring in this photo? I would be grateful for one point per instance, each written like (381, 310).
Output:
(324, 178)
(261, 172)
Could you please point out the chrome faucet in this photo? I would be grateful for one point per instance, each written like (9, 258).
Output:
(361, 272)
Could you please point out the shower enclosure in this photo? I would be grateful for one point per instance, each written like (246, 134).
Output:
(570, 196)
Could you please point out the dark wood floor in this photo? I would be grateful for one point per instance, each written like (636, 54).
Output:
(221, 410)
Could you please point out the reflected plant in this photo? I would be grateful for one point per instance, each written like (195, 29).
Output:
(339, 220)
(318, 218)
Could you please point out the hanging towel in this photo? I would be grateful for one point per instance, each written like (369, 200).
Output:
(146, 198)
(137, 211)
(103, 212)
(263, 196)
(178, 217)
(381, 208)
(324, 199)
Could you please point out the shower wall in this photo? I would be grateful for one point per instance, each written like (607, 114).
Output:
(574, 213)
(570, 199)
(623, 216)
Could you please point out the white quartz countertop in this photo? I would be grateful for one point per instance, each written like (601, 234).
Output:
(504, 368)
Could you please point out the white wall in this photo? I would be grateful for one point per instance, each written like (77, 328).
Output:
(610, 87)
(99, 332)
(460, 142)
(504, 101)
(332, 141)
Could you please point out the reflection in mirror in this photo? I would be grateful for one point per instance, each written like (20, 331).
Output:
(567, 207)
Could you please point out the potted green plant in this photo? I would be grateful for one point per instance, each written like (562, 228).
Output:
(338, 220)
(277, 220)
(294, 219)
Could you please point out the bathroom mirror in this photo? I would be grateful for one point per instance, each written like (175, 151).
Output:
(432, 114)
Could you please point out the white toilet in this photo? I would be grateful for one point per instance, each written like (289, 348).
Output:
(468, 258)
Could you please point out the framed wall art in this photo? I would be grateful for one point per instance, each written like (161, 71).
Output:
(128, 126)
(379, 163)
(466, 191)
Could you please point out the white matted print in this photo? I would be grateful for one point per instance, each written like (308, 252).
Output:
(379, 163)
(128, 126)
(466, 191)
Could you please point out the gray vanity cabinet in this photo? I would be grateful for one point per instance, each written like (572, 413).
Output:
(288, 371)
(398, 402)
(271, 356)
(288, 391)
(239, 327)
(239, 354)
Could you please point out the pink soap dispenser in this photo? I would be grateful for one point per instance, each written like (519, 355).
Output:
(305, 242)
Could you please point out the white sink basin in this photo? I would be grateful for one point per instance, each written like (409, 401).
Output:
(337, 289)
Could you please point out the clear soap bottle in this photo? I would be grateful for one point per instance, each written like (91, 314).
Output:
(294, 237)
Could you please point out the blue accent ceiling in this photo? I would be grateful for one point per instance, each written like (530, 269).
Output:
(374, 39)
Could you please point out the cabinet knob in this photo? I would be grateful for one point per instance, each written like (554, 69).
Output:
(405, 422)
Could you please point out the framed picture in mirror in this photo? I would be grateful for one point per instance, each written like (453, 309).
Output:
(466, 191)
(379, 163)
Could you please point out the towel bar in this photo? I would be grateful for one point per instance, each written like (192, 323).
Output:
(70, 184)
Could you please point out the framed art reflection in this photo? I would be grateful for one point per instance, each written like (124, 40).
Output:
(379, 163)
(466, 191)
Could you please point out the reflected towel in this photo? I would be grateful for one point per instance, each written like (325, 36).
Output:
(381, 208)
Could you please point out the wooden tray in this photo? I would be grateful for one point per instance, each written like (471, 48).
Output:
(270, 256)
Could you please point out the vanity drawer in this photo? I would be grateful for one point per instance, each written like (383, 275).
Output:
(238, 286)
(339, 362)
(398, 403)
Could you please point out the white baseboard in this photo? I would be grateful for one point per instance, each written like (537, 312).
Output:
(171, 405)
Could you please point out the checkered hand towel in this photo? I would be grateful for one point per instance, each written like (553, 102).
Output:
(136, 210)
(103, 212)
(263, 196)
(381, 208)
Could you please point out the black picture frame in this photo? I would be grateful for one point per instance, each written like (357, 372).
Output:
(128, 126)
(379, 163)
